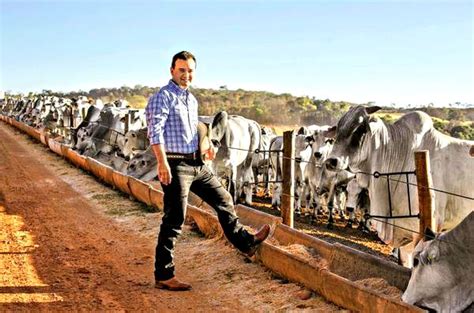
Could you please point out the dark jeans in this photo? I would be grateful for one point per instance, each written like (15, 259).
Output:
(192, 175)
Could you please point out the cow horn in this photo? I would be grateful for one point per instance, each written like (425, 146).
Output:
(372, 109)
(331, 132)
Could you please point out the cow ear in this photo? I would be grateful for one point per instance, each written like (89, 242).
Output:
(301, 131)
(372, 109)
(331, 132)
(429, 234)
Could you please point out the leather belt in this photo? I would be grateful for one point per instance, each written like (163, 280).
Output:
(183, 156)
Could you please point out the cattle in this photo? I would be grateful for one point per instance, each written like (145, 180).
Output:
(323, 186)
(365, 144)
(92, 115)
(106, 133)
(35, 110)
(276, 164)
(333, 188)
(235, 139)
(320, 147)
(358, 201)
(143, 165)
(302, 157)
(442, 277)
(64, 119)
(133, 142)
(312, 129)
(135, 119)
(261, 160)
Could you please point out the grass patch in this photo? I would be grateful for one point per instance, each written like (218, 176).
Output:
(105, 196)
(117, 211)
(146, 208)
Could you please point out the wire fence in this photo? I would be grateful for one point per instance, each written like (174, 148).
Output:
(377, 219)
(316, 164)
(375, 174)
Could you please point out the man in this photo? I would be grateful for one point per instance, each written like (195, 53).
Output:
(172, 117)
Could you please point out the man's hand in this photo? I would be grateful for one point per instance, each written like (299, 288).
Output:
(164, 173)
(163, 168)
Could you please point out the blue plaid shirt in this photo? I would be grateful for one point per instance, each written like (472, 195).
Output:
(172, 119)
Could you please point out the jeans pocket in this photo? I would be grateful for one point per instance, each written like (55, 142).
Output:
(184, 169)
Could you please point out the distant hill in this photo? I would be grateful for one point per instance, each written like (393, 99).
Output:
(283, 109)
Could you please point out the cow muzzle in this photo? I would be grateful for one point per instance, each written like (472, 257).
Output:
(216, 143)
(332, 164)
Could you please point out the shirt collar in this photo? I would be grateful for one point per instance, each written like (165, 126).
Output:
(178, 90)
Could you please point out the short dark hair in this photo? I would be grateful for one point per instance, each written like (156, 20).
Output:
(183, 55)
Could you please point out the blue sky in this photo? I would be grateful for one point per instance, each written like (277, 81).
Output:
(402, 52)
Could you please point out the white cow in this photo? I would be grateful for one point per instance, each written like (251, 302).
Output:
(366, 144)
(235, 139)
(443, 274)
(326, 188)
(261, 160)
(133, 142)
(320, 148)
(143, 165)
(302, 158)
(358, 201)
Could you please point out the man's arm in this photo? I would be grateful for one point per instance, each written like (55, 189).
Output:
(164, 172)
(157, 112)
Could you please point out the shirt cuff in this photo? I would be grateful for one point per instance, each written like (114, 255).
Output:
(157, 139)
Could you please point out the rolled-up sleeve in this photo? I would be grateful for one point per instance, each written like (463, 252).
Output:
(157, 111)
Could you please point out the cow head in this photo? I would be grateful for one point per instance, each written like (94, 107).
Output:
(443, 271)
(132, 143)
(142, 163)
(219, 128)
(428, 275)
(351, 130)
(322, 143)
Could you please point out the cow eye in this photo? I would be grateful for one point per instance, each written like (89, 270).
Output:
(416, 262)
(216, 143)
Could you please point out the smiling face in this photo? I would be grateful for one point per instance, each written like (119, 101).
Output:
(183, 72)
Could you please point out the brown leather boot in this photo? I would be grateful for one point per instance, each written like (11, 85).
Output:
(259, 237)
(172, 284)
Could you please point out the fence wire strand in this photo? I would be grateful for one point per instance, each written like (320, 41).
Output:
(318, 165)
(421, 186)
(397, 226)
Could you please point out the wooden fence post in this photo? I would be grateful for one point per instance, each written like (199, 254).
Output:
(129, 119)
(425, 194)
(127, 122)
(288, 185)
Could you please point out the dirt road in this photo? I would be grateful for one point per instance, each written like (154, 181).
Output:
(69, 242)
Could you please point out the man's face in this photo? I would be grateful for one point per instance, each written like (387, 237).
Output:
(183, 72)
